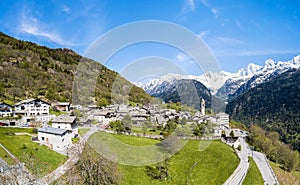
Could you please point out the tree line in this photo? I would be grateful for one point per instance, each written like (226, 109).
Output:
(269, 143)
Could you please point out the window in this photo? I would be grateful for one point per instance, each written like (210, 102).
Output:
(43, 138)
(58, 126)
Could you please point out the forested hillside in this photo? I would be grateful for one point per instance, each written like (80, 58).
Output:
(30, 70)
(188, 92)
(274, 105)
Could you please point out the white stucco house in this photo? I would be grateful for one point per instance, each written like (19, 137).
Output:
(55, 138)
(67, 122)
(101, 116)
(223, 119)
(5, 110)
(32, 107)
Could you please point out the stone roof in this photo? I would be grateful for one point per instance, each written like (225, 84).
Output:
(51, 130)
(64, 118)
(63, 103)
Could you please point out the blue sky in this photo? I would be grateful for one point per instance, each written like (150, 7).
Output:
(237, 32)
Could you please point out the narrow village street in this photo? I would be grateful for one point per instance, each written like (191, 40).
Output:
(240, 172)
(264, 168)
(261, 161)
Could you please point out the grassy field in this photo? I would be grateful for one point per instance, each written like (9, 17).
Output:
(189, 166)
(82, 131)
(5, 156)
(284, 177)
(39, 160)
(140, 130)
(253, 176)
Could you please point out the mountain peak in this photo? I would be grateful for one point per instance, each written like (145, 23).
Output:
(296, 60)
(270, 64)
(249, 71)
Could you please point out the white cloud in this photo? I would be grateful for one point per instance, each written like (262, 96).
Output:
(181, 57)
(189, 5)
(238, 24)
(32, 26)
(66, 9)
(202, 34)
(213, 10)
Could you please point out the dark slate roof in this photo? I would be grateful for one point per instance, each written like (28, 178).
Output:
(2, 103)
(30, 100)
(51, 130)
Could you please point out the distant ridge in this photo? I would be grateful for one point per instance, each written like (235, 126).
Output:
(224, 84)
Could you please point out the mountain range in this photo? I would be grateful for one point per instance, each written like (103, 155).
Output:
(225, 84)
(274, 105)
(264, 95)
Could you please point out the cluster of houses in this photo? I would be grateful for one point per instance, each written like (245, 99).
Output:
(58, 135)
(29, 111)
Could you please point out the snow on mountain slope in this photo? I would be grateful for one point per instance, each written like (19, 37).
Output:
(211, 80)
(270, 69)
(224, 83)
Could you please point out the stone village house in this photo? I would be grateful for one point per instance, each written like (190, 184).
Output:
(55, 138)
(67, 122)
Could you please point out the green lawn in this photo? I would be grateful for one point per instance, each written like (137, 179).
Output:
(140, 130)
(190, 166)
(5, 156)
(253, 176)
(39, 160)
(83, 131)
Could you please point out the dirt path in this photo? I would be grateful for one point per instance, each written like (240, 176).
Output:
(73, 154)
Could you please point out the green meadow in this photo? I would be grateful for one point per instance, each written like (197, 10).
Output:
(188, 166)
(39, 159)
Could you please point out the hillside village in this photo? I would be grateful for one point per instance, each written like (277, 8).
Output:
(57, 131)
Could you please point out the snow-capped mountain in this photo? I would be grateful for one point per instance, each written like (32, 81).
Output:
(212, 80)
(222, 84)
(270, 69)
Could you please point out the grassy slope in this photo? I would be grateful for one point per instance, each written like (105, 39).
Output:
(253, 176)
(284, 177)
(39, 159)
(29, 70)
(5, 156)
(83, 131)
(211, 166)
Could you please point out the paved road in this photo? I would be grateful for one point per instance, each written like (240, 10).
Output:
(265, 169)
(240, 172)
